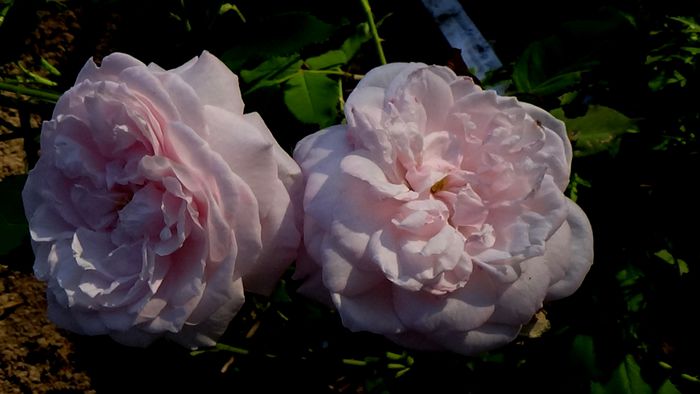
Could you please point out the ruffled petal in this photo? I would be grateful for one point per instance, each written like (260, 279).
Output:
(370, 311)
(461, 310)
(214, 83)
(485, 338)
(581, 256)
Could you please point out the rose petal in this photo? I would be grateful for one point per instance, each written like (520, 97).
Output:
(319, 156)
(371, 311)
(520, 300)
(581, 256)
(465, 309)
(430, 89)
(559, 165)
(110, 67)
(485, 338)
(342, 277)
(213, 82)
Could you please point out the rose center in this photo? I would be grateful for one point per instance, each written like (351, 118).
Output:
(122, 201)
(439, 185)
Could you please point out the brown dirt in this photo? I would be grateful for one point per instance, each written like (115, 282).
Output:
(35, 356)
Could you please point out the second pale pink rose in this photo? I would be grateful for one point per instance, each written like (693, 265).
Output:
(436, 217)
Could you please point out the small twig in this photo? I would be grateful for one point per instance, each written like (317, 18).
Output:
(228, 364)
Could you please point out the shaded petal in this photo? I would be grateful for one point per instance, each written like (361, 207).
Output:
(134, 337)
(521, 299)
(461, 310)
(69, 318)
(341, 275)
(280, 238)
(581, 256)
(45, 225)
(288, 170)
(246, 151)
(232, 206)
(558, 128)
(311, 272)
(371, 311)
(365, 112)
(206, 333)
(319, 156)
(485, 338)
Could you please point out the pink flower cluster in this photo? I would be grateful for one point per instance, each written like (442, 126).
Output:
(436, 217)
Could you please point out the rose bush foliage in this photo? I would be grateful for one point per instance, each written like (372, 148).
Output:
(436, 216)
(156, 202)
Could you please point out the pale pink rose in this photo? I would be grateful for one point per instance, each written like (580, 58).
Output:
(156, 202)
(437, 217)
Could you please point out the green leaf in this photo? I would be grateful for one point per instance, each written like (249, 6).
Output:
(281, 294)
(338, 57)
(268, 68)
(556, 84)
(629, 276)
(574, 184)
(690, 378)
(597, 388)
(49, 67)
(598, 130)
(4, 7)
(327, 60)
(495, 357)
(635, 302)
(36, 77)
(666, 256)
(583, 355)
(626, 379)
(312, 98)
(668, 388)
(627, 279)
(691, 25)
(13, 224)
(262, 39)
(528, 69)
(271, 72)
(353, 43)
(227, 7)
(530, 74)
